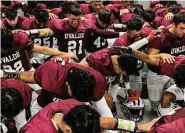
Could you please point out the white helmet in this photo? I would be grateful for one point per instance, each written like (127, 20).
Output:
(133, 110)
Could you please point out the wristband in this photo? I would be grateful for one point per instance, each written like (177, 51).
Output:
(137, 45)
(34, 32)
(9, 74)
(127, 125)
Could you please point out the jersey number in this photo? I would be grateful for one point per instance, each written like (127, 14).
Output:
(98, 42)
(46, 41)
(72, 47)
(17, 66)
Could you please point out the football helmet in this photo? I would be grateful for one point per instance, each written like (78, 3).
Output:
(133, 108)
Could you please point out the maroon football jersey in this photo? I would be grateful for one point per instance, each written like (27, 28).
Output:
(170, 123)
(95, 42)
(170, 44)
(119, 6)
(18, 59)
(58, 12)
(101, 60)
(20, 20)
(42, 121)
(126, 17)
(85, 9)
(161, 11)
(168, 69)
(22, 87)
(124, 40)
(51, 76)
(72, 39)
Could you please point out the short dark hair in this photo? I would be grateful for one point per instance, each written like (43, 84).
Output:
(83, 119)
(139, 11)
(32, 4)
(11, 13)
(41, 15)
(104, 16)
(6, 39)
(134, 24)
(11, 102)
(128, 63)
(179, 18)
(167, 3)
(66, 6)
(149, 15)
(75, 10)
(179, 76)
(82, 84)
(175, 8)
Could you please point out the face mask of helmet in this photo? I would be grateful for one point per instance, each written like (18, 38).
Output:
(133, 110)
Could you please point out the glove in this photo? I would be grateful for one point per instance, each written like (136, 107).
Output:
(9, 74)
(153, 35)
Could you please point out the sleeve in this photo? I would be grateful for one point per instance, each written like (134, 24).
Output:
(93, 61)
(38, 74)
(167, 22)
(182, 9)
(28, 24)
(126, 17)
(158, 21)
(47, 75)
(27, 130)
(22, 41)
(176, 126)
(42, 75)
(155, 43)
(106, 34)
(56, 26)
(65, 105)
(41, 6)
(118, 42)
(154, 3)
(100, 32)
(166, 68)
(56, 11)
(146, 30)
(161, 12)
(4, 21)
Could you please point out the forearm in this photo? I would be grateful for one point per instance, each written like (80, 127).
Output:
(27, 77)
(146, 58)
(107, 122)
(40, 32)
(47, 51)
(106, 34)
(117, 124)
(50, 51)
